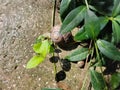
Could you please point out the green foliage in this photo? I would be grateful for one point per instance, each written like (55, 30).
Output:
(73, 19)
(116, 8)
(65, 7)
(92, 25)
(97, 80)
(108, 49)
(116, 32)
(115, 81)
(34, 61)
(81, 35)
(78, 54)
(117, 19)
(42, 47)
(98, 22)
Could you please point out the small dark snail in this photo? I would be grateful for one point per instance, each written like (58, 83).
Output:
(57, 37)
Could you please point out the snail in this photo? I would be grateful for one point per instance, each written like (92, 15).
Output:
(58, 38)
(81, 64)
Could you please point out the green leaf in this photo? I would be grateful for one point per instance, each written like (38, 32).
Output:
(65, 7)
(40, 38)
(97, 80)
(78, 54)
(73, 19)
(34, 61)
(81, 35)
(84, 35)
(51, 89)
(42, 48)
(92, 24)
(103, 7)
(115, 80)
(117, 18)
(103, 22)
(108, 49)
(116, 8)
(116, 32)
(36, 47)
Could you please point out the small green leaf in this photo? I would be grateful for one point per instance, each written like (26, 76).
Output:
(78, 54)
(39, 39)
(42, 48)
(73, 19)
(116, 32)
(92, 25)
(34, 61)
(81, 35)
(97, 80)
(116, 8)
(117, 18)
(108, 49)
(51, 89)
(36, 47)
(115, 80)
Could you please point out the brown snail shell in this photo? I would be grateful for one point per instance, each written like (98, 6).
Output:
(63, 86)
(81, 64)
(57, 37)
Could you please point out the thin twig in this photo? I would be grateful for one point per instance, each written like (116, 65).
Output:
(86, 67)
(54, 11)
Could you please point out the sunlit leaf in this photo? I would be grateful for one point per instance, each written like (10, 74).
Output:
(108, 49)
(81, 35)
(78, 54)
(116, 8)
(39, 39)
(92, 25)
(97, 80)
(36, 47)
(35, 61)
(116, 32)
(42, 48)
(73, 19)
(115, 80)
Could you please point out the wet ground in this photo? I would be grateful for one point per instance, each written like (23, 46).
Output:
(21, 21)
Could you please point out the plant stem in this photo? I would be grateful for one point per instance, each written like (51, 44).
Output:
(53, 24)
(84, 81)
(55, 66)
(98, 56)
(86, 66)
(99, 60)
(86, 2)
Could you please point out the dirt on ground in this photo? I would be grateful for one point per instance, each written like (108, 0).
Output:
(21, 22)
